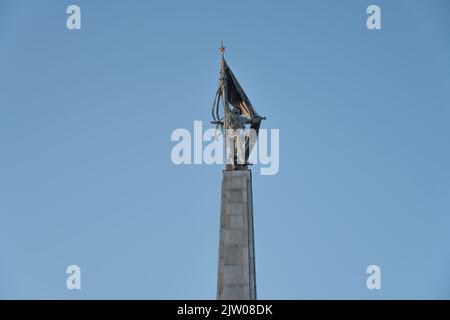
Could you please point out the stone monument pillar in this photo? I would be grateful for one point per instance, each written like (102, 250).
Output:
(236, 277)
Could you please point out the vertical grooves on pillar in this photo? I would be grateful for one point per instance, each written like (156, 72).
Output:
(221, 238)
(251, 238)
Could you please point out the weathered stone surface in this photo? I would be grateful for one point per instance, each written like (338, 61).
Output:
(236, 277)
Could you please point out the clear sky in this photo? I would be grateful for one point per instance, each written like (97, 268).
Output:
(86, 176)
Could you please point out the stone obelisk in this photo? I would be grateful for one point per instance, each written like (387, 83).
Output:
(236, 278)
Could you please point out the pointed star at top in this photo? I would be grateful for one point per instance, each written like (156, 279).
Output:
(222, 48)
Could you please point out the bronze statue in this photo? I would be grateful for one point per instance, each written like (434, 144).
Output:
(237, 112)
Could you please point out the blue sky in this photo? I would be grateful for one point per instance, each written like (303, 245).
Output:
(85, 124)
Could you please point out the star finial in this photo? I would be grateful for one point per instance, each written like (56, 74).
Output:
(222, 48)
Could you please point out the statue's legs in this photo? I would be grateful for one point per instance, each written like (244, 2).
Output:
(230, 147)
(235, 140)
(240, 146)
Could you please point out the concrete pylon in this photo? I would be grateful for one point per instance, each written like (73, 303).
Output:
(236, 278)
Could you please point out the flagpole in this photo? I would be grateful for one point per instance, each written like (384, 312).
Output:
(224, 97)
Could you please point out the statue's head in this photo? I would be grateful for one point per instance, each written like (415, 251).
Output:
(237, 110)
